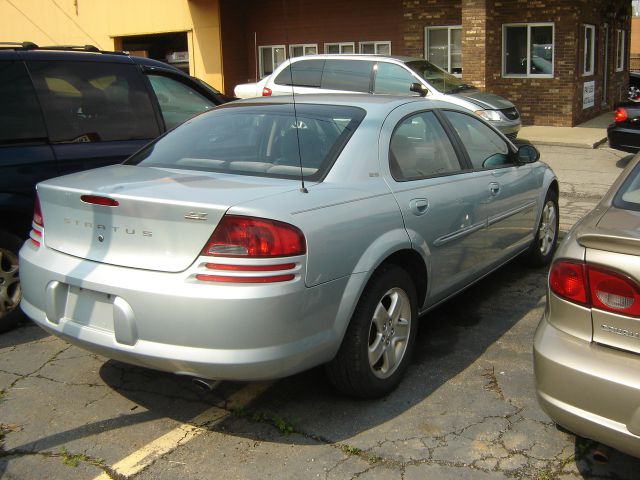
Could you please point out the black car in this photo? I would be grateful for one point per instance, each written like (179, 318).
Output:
(624, 133)
(64, 109)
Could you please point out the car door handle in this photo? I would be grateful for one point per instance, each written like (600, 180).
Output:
(419, 206)
(494, 188)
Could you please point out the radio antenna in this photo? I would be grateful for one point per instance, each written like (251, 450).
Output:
(298, 124)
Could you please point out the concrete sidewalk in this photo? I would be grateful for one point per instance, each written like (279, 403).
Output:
(586, 135)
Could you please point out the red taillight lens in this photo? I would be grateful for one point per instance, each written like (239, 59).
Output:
(568, 281)
(621, 115)
(613, 292)
(37, 213)
(97, 200)
(238, 236)
(266, 92)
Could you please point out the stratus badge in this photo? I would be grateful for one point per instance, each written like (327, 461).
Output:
(195, 216)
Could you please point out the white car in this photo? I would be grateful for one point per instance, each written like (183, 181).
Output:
(382, 75)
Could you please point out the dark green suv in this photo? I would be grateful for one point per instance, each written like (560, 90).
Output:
(64, 109)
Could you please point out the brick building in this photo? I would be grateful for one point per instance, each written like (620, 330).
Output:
(560, 61)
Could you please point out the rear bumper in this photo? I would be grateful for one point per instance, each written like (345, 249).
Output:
(625, 139)
(166, 321)
(589, 389)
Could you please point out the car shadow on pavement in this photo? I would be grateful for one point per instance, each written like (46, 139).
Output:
(25, 332)
(451, 338)
(624, 161)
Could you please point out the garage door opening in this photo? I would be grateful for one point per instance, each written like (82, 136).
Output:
(172, 48)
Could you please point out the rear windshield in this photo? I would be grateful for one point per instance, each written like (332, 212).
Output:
(628, 197)
(257, 139)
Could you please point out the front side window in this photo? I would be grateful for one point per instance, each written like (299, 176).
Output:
(486, 149)
(302, 50)
(420, 148)
(528, 50)
(392, 79)
(348, 75)
(342, 47)
(271, 140)
(443, 47)
(589, 40)
(270, 57)
(21, 120)
(375, 48)
(178, 102)
(93, 101)
(620, 44)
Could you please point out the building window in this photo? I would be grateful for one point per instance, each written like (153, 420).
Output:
(528, 50)
(589, 49)
(302, 50)
(620, 50)
(443, 47)
(342, 47)
(270, 57)
(379, 48)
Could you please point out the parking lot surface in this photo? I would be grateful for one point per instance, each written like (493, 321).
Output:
(465, 410)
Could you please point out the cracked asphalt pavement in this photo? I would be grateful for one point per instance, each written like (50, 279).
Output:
(465, 410)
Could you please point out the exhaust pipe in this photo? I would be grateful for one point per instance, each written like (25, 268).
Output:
(205, 384)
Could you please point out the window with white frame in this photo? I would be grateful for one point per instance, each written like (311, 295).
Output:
(340, 47)
(301, 50)
(380, 48)
(270, 57)
(443, 47)
(528, 50)
(620, 50)
(589, 38)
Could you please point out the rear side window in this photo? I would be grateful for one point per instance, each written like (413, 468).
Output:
(265, 140)
(91, 101)
(350, 75)
(305, 73)
(21, 120)
(420, 148)
(178, 102)
(393, 79)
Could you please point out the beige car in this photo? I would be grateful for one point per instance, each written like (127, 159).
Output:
(587, 346)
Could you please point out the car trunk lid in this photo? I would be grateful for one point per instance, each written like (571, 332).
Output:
(162, 220)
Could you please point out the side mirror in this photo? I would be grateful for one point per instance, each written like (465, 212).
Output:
(419, 89)
(528, 154)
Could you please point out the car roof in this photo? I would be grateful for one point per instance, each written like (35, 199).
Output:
(369, 102)
(357, 56)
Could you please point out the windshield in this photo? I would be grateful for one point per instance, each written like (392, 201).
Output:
(442, 81)
(257, 139)
(628, 197)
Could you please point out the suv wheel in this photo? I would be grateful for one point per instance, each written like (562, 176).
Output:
(10, 291)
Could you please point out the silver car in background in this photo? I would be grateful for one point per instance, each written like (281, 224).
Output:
(266, 237)
(587, 346)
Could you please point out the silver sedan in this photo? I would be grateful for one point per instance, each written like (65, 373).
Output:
(268, 236)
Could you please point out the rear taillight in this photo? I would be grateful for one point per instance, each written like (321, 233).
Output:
(37, 225)
(595, 287)
(621, 115)
(266, 92)
(567, 280)
(238, 237)
(250, 237)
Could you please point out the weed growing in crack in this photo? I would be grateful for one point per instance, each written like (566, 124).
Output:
(282, 425)
(73, 460)
(374, 458)
(350, 449)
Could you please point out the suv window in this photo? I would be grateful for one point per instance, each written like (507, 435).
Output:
(420, 148)
(21, 119)
(351, 75)
(178, 102)
(91, 101)
(393, 79)
(485, 147)
(305, 73)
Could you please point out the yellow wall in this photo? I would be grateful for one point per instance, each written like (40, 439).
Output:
(100, 22)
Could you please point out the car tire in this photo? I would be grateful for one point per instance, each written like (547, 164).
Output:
(377, 345)
(10, 291)
(544, 244)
